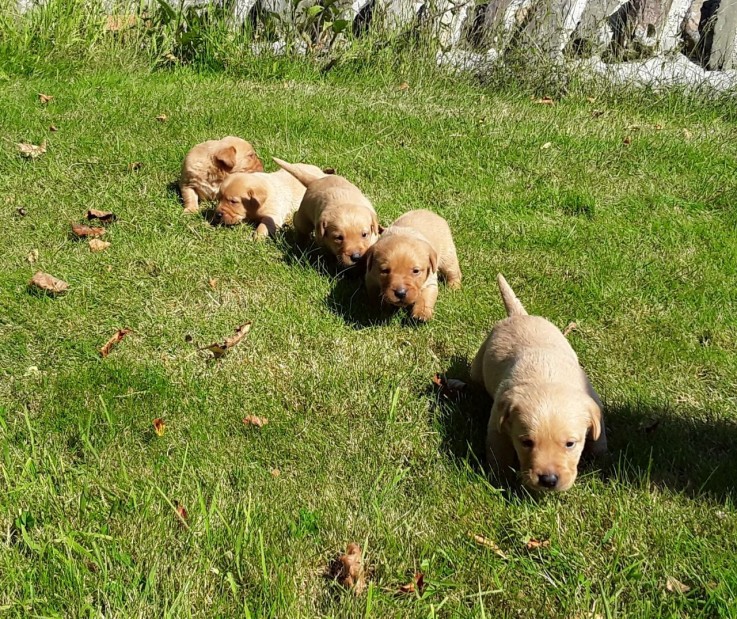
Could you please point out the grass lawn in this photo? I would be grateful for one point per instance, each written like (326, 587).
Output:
(618, 214)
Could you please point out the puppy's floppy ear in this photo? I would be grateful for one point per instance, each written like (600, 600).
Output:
(369, 258)
(255, 165)
(433, 257)
(375, 227)
(321, 227)
(504, 405)
(595, 415)
(225, 158)
(255, 196)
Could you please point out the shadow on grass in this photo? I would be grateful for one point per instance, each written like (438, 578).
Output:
(649, 445)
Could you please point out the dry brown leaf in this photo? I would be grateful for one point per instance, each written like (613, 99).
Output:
(31, 151)
(44, 99)
(103, 216)
(114, 340)
(53, 128)
(162, 118)
(416, 585)
(687, 134)
(32, 256)
(487, 543)
(48, 283)
(212, 282)
(545, 101)
(218, 350)
(97, 245)
(328, 170)
(627, 141)
(82, 231)
(596, 113)
(571, 326)
(348, 569)
(159, 426)
(533, 544)
(252, 420)
(181, 513)
(658, 127)
(135, 166)
(676, 586)
(404, 86)
(590, 99)
(171, 57)
(275, 472)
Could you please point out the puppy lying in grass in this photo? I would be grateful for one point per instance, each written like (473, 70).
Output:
(340, 216)
(545, 410)
(402, 267)
(207, 164)
(266, 199)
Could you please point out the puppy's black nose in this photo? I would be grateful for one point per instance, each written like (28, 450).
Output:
(355, 257)
(401, 293)
(548, 481)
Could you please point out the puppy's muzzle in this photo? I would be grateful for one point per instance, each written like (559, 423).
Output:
(355, 257)
(548, 481)
(225, 219)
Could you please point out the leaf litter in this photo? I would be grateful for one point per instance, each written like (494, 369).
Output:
(48, 283)
(113, 341)
(219, 350)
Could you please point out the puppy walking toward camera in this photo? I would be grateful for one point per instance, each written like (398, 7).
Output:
(207, 164)
(266, 199)
(340, 216)
(402, 267)
(545, 410)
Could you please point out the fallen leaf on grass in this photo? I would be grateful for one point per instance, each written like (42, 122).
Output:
(658, 127)
(135, 166)
(162, 118)
(348, 569)
(533, 544)
(31, 151)
(676, 586)
(448, 386)
(545, 101)
(275, 472)
(181, 513)
(596, 113)
(32, 256)
(44, 99)
(404, 86)
(417, 585)
(82, 231)
(97, 245)
(627, 141)
(114, 340)
(252, 420)
(171, 57)
(48, 283)
(159, 426)
(103, 216)
(546, 145)
(487, 543)
(53, 128)
(571, 326)
(590, 99)
(687, 134)
(212, 282)
(218, 350)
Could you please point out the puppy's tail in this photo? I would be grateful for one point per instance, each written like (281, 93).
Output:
(511, 302)
(299, 173)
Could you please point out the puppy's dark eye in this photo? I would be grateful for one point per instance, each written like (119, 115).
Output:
(385, 271)
(364, 234)
(570, 444)
(528, 442)
(416, 271)
(339, 238)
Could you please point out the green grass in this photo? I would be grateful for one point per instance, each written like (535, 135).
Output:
(636, 243)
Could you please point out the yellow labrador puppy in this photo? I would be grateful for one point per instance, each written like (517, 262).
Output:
(207, 164)
(545, 410)
(266, 199)
(340, 216)
(402, 267)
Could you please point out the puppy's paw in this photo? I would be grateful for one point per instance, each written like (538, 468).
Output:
(454, 284)
(190, 210)
(421, 312)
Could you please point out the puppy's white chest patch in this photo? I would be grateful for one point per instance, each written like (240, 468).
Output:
(208, 190)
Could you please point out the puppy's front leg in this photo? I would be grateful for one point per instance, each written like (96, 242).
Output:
(268, 226)
(425, 304)
(190, 199)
